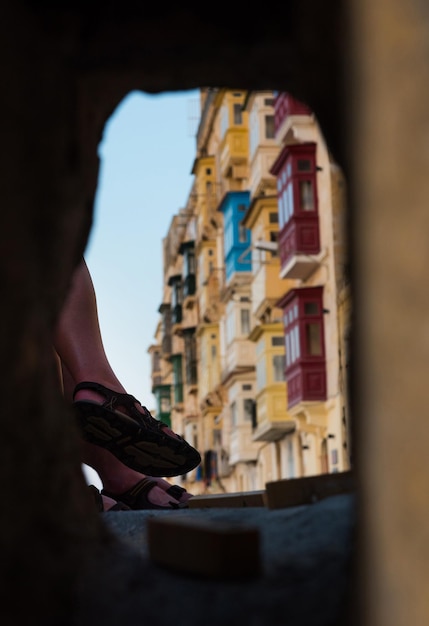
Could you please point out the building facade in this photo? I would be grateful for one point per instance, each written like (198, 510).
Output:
(250, 356)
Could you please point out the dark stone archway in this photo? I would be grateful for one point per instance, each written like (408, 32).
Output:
(65, 67)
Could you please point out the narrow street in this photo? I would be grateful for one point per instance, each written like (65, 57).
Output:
(305, 559)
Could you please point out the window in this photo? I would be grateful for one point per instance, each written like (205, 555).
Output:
(274, 218)
(279, 367)
(224, 122)
(304, 165)
(190, 356)
(291, 323)
(176, 362)
(242, 233)
(261, 375)
(176, 292)
(306, 195)
(274, 238)
(233, 409)
(313, 339)
(217, 438)
(245, 321)
(269, 127)
(165, 310)
(203, 355)
(156, 361)
(311, 308)
(229, 236)
(189, 262)
(238, 116)
(277, 341)
(253, 132)
(230, 326)
(248, 409)
(165, 404)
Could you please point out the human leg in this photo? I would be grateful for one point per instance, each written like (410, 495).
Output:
(79, 345)
(116, 477)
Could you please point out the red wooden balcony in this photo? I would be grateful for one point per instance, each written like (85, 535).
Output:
(286, 105)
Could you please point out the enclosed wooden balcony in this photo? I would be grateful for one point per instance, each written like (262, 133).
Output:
(299, 246)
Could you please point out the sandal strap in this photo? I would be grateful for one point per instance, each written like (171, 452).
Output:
(132, 495)
(114, 399)
(142, 487)
(137, 497)
(176, 491)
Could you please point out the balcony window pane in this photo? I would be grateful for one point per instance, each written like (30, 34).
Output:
(165, 404)
(238, 118)
(285, 210)
(288, 350)
(223, 121)
(230, 329)
(261, 375)
(279, 368)
(242, 233)
(293, 346)
(269, 127)
(245, 321)
(304, 165)
(296, 341)
(248, 404)
(311, 308)
(290, 200)
(306, 195)
(177, 369)
(217, 438)
(281, 211)
(233, 414)
(189, 262)
(314, 339)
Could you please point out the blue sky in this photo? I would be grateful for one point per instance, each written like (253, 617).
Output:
(146, 153)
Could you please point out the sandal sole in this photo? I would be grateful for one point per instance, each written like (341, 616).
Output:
(140, 449)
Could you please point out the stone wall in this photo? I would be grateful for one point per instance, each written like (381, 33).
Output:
(362, 67)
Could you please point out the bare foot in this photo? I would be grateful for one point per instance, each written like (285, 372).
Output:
(117, 478)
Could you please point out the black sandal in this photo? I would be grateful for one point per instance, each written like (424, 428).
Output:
(136, 497)
(136, 439)
(98, 501)
(176, 491)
